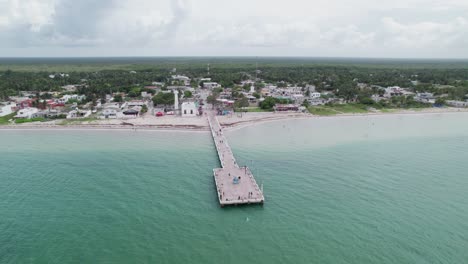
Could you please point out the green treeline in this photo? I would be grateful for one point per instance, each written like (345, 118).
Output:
(340, 78)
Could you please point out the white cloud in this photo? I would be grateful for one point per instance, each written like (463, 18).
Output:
(32, 13)
(426, 34)
(243, 27)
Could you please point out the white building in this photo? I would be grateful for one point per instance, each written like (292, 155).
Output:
(211, 85)
(252, 89)
(315, 95)
(310, 87)
(456, 103)
(317, 101)
(109, 113)
(140, 103)
(7, 109)
(393, 91)
(181, 78)
(68, 97)
(27, 113)
(425, 98)
(146, 95)
(189, 109)
(77, 114)
(72, 87)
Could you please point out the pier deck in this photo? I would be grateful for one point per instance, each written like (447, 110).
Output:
(246, 190)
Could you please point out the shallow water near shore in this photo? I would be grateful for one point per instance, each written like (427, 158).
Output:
(387, 189)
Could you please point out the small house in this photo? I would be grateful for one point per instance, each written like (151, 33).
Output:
(27, 113)
(286, 108)
(7, 109)
(109, 113)
(78, 114)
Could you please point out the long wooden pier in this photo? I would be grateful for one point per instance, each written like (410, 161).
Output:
(234, 184)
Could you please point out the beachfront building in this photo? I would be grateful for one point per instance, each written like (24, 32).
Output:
(27, 113)
(317, 101)
(78, 114)
(109, 113)
(23, 102)
(139, 103)
(50, 113)
(425, 98)
(253, 101)
(7, 108)
(286, 108)
(396, 91)
(132, 112)
(454, 103)
(189, 109)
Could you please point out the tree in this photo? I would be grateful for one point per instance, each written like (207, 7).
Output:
(366, 100)
(440, 101)
(236, 94)
(240, 103)
(188, 94)
(211, 99)
(256, 95)
(134, 92)
(144, 109)
(218, 90)
(281, 84)
(193, 84)
(259, 85)
(305, 103)
(348, 91)
(163, 99)
(268, 103)
(118, 98)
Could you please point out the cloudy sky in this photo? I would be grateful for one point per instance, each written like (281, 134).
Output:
(318, 28)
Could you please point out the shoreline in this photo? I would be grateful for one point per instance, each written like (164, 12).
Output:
(227, 122)
(98, 127)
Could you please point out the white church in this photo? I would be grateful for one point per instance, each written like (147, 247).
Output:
(187, 109)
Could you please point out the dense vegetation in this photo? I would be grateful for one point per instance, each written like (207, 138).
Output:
(131, 75)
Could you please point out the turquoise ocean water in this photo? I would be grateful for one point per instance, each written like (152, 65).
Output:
(390, 189)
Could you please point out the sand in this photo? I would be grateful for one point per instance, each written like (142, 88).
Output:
(200, 123)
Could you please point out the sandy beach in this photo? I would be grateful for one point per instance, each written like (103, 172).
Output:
(236, 120)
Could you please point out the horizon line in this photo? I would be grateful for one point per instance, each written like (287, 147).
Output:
(234, 57)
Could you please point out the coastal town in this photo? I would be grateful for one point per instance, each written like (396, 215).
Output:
(177, 101)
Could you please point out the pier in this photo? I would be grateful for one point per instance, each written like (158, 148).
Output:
(235, 185)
